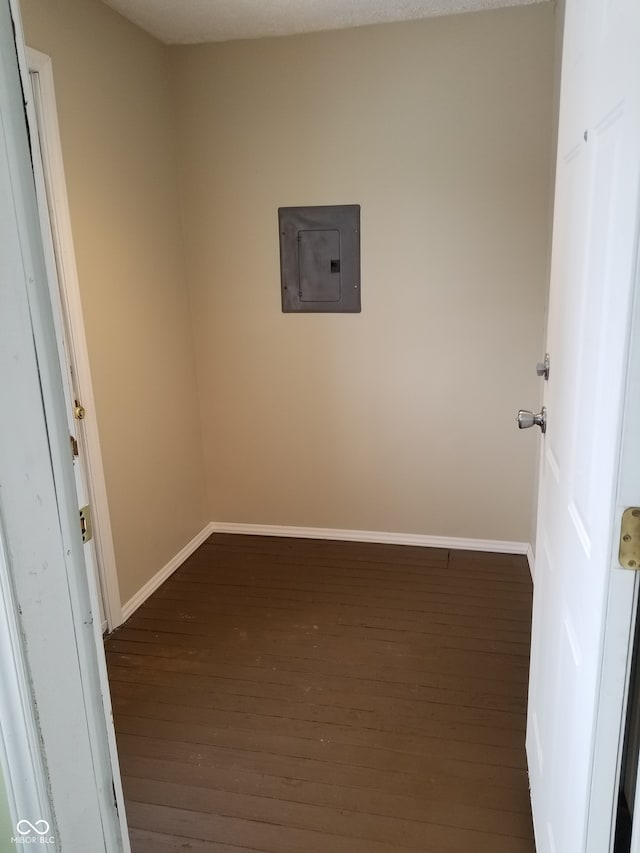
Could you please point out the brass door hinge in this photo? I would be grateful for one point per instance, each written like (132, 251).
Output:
(629, 554)
(78, 411)
(86, 528)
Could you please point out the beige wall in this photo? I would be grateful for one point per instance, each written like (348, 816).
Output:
(119, 153)
(400, 418)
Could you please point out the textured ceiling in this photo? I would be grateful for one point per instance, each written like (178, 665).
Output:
(192, 21)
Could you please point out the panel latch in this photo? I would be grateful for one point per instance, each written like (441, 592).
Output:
(629, 554)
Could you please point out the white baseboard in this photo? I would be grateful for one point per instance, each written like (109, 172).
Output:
(531, 559)
(160, 577)
(493, 545)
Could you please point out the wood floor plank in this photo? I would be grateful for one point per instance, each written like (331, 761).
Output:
(349, 823)
(321, 707)
(471, 764)
(436, 809)
(284, 838)
(288, 597)
(500, 670)
(316, 611)
(447, 788)
(280, 695)
(452, 634)
(462, 743)
(433, 687)
(328, 643)
(391, 624)
(149, 700)
(293, 574)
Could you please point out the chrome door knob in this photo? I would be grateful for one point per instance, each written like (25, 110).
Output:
(527, 419)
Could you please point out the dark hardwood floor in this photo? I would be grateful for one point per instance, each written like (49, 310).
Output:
(303, 696)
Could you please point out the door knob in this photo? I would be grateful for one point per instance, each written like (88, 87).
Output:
(527, 419)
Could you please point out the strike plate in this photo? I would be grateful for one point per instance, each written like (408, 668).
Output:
(86, 527)
(629, 555)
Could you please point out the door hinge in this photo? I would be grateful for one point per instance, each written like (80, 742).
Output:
(629, 554)
(78, 411)
(86, 528)
(74, 445)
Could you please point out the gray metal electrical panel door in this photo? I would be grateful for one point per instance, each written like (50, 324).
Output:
(320, 258)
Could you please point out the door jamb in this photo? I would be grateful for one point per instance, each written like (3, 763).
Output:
(71, 305)
(21, 759)
(622, 604)
(621, 610)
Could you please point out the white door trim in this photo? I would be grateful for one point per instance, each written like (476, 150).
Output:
(71, 304)
(43, 562)
(622, 613)
(20, 753)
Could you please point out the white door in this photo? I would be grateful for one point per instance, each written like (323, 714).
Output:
(75, 409)
(592, 285)
(70, 334)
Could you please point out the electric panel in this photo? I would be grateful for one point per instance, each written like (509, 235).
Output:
(320, 258)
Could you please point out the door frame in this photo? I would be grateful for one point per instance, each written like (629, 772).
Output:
(21, 759)
(622, 608)
(70, 303)
(621, 613)
(57, 749)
